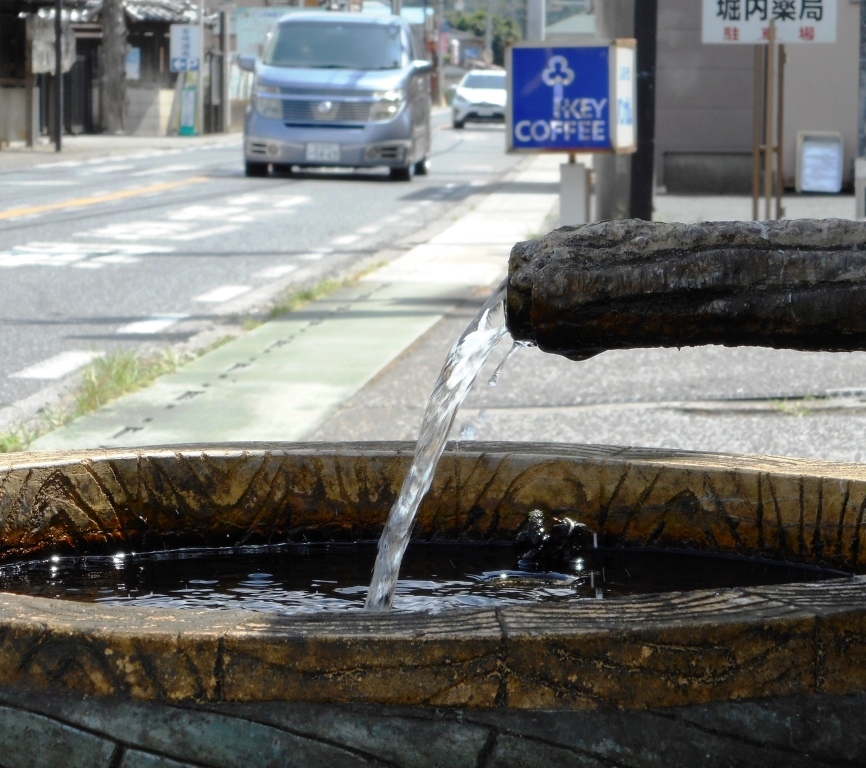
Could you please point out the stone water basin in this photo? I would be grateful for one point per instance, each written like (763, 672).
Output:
(774, 675)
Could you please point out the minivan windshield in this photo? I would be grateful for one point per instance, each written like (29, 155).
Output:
(486, 80)
(335, 45)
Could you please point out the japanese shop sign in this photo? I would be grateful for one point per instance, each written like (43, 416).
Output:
(571, 98)
(748, 21)
(184, 47)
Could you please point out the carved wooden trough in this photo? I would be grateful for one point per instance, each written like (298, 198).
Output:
(769, 676)
(766, 674)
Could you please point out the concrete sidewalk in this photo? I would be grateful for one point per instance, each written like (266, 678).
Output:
(743, 400)
(282, 380)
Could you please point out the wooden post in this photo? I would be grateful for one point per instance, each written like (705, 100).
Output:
(769, 94)
(756, 128)
(780, 177)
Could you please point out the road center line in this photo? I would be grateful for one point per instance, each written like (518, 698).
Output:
(82, 202)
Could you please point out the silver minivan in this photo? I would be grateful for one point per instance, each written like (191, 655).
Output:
(338, 89)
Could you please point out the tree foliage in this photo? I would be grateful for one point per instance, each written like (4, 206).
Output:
(505, 30)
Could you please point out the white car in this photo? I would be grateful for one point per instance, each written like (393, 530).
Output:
(480, 96)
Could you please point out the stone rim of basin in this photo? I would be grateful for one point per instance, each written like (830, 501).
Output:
(633, 653)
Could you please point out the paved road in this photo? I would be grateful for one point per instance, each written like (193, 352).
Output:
(730, 400)
(155, 246)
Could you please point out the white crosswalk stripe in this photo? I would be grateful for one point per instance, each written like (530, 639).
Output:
(223, 293)
(153, 324)
(277, 271)
(89, 255)
(58, 366)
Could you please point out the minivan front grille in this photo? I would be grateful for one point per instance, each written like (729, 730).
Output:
(326, 111)
(330, 93)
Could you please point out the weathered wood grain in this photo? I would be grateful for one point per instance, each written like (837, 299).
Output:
(798, 284)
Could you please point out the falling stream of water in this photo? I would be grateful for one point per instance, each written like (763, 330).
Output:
(465, 360)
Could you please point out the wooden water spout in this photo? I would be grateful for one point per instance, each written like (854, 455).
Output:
(797, 284)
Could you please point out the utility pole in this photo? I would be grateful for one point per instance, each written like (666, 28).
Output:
(643, 161)
(199, 80)
(488, 33)
(58, 75)
(535, 20)
(225, 72)
(861, 133)
(426, 29)
(440, 56)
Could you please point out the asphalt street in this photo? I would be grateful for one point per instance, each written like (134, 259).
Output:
(155, 246)
(239, 240)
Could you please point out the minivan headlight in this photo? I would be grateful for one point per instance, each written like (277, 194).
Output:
(263, 102)
(387, 105)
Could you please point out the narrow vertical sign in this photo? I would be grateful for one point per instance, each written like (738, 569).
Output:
(187, 111)
(625, 63)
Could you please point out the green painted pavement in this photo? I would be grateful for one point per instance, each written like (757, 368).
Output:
(276, 382)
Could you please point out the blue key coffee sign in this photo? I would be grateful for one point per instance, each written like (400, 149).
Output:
(571, 98)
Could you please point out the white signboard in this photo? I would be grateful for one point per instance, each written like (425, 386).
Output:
(748, 21)
(40, 31)
(185, 47)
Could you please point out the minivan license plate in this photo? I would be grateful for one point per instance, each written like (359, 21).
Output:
(323, 153)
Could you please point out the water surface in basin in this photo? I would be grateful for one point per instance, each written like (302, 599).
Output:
(309, 578)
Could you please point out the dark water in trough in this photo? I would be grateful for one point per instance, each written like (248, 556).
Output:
(307, 578)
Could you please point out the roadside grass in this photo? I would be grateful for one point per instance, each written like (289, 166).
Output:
(113, 375)
(296, 299)
(251, 323)
(105, 379)
(11, 442)
(796, 407)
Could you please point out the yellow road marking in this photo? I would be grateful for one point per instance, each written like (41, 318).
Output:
(82, 202)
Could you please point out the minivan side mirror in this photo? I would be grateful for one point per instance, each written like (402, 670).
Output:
(422, 66)
(247, 63)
